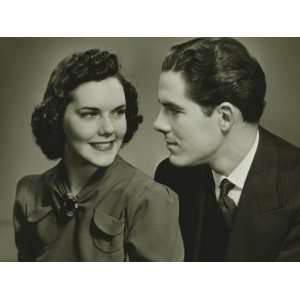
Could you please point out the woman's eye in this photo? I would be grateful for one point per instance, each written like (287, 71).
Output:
(119, 112)
(88, 115)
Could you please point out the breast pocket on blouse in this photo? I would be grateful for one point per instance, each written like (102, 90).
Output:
(107, 232)
(43, 226)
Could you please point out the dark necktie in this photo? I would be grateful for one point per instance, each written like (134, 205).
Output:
(227, 205)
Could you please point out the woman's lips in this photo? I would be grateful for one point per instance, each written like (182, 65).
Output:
(103, 146)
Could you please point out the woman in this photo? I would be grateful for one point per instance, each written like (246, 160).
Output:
(92, 206)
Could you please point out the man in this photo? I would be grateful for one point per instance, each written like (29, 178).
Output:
(239, 185)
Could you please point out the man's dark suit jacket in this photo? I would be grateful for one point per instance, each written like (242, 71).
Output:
(267, 221)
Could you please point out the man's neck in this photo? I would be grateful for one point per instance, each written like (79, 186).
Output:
(237, 144)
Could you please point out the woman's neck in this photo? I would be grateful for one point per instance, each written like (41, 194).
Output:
(78, 170)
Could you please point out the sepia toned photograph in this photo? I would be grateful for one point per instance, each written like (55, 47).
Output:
(157, 149)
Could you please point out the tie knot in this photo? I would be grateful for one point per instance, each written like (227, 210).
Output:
(225, 187)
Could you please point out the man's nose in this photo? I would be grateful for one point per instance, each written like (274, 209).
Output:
(161, 124)
(106, 127)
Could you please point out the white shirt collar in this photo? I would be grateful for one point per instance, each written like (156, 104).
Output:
(239, 174)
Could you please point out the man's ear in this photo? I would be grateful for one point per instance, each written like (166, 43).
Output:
(226, 116)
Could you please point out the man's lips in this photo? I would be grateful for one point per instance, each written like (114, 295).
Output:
(171, 145)
(170, 142)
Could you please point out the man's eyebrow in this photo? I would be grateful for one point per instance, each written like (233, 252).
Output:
(171, 105)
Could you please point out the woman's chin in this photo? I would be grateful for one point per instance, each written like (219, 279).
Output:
(103, 159)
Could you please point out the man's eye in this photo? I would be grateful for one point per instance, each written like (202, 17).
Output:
(173, 111)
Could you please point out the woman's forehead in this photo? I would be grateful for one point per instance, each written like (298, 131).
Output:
(108, 92)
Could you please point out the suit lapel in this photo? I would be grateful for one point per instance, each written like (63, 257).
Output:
(202, 195)
(254, 233)
(191, 184)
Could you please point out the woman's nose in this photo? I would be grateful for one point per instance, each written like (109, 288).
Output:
(106, 127)
(161, 124)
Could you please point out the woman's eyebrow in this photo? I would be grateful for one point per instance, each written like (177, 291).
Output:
(123, 106)
(89, 108)
(92, 108)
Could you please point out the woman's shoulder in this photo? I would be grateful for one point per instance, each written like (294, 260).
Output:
(141, 187)
(36, 179)
(28, 181)
(27, 188)
(32, 183)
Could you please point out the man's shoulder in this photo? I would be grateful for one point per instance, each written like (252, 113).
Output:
(164, 166)
(288, 154)
(172, 175)
(286, 165)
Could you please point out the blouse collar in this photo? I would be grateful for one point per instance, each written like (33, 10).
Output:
(56, 178)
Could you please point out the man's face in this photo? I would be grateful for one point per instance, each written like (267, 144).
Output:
(191, 136)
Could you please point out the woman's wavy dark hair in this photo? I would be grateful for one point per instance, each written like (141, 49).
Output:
(91, 65)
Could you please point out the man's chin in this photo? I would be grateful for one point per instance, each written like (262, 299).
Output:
(181, 162)
(177, 161)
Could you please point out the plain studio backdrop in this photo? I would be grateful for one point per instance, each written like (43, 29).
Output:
(26, 64)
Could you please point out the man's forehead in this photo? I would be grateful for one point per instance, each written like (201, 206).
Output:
(171, 86)
(172, 90)
(172, 80)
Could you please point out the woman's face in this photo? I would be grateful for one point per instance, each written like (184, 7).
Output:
(95, 123)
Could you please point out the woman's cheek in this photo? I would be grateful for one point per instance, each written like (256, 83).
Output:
(121, 127)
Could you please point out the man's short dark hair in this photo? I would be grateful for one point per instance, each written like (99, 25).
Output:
(74, 70)
(220, 70)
